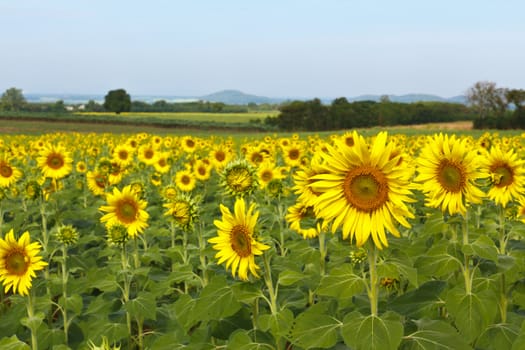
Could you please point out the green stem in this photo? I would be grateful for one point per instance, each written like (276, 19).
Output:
(373, 290)
(140, 330)
(202, 257)
(173, 233)
(31, 316)
(272, 292)
(64, 292)
(466, 259)
(323, 251)
(502, 234)
(126, 286)
(503, 300)
(136, 259)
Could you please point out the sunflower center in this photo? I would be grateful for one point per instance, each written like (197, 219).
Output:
(17, 263)
(186, 180)
(257, 157)
(366, 188)
(190, 143)
(267, 176)
(503, 175)
(240, 241)
(148, 154)
(451, 176)
(293, 154)
(123, 155)
(349, 141)
(55, 161)
(220, 156)
(127, 210)
(5, 170)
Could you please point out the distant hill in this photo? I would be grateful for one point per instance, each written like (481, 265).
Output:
(234, 97)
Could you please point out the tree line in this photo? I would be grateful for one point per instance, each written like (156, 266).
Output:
(312, 115)
(488, 105)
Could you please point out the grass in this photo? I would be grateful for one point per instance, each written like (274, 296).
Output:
(195, 117)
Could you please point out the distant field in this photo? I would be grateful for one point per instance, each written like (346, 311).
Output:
(196, 117)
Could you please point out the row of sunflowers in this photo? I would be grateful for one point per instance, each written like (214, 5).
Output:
(144, 241)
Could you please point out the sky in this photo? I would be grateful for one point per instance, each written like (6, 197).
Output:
(274, 48)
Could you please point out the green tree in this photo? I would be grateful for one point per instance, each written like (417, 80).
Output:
(117, 101)
(487, 99)
(12, 100)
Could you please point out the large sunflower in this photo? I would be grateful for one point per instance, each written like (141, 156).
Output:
(18, 262)
(235, 242)
(125, 208)
(364, 190)
(8, 173)
(447, 172)
(507, 175)
(55, 162)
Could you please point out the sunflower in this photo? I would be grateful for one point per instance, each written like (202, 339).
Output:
(507, 175)
(55, 162)
(18, 262)
(220, 155)
(125, 208)
(363, 190)
(185, 180)
(8, 173)
(235, 240)
(123, 154)
(147, 154)
(97, 182)
(182, 210)
(268, 171)
(447, 173)
(239, 178)
(302, 220)
(202, 169)
(188, 144)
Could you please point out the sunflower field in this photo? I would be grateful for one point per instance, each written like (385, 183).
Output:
(344, 241)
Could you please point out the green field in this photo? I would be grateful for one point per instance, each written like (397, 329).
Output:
(195, 117)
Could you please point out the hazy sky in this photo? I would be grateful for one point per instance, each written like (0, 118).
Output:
(284, 48)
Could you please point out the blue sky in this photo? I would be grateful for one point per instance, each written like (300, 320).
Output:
(286, 48)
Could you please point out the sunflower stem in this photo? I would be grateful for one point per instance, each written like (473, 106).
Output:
(502, 234)
(202, 257)
(322, 250)
(502, 250)
(173, 232)
(125, 287)
(31, 316)
(373, 290)
(64, 293)
(136, 259)
(269, 284)
(466, 258)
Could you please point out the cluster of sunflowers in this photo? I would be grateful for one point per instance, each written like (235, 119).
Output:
(363, 186)
(230, 192)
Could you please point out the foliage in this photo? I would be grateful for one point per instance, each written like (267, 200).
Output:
(12, 100)
(117, 101)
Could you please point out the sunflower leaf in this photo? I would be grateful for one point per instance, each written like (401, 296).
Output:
(372, 332)
(144, 305)
(341, 282)
(216, 301)
(313, 329)
(434, 334)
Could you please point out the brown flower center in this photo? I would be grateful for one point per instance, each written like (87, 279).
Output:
(451, 176)
(503, 174)
(366, 188)
(127, 210)
(5, 170)
(241, 241)
(55, 161)
(220, 156)
(17, 262)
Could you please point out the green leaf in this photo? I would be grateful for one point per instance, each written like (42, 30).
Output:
(246, 292)
(371, 332)
(413, 303)
(484, 247)
(184, 310)
(216, 301)
(472, 314)
(437, 265)
(505, 262)
(341, 282)
(13, 343)
(34, 321)
(498, 336)
(72, 303)
(240, 340)
(279, 323)
(315, 330)
(519, 342)
(434, 334)
(289, 277)
(142, 307)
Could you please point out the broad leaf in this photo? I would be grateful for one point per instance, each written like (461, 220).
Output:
(434, 334)
(314, 330)
(216, 301)
(142, 307)
(13, 343)
(415, 302)
(341, 282)
(289, 277)
(498, 336)
(371, 332)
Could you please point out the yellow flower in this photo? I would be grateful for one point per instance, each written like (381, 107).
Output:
(185, 180)
(239, 178)
(8, 173)
(55, 162)
(447, 172)
(18, 262)
(182, 210)
(363, 190)
(235, 241)
(127, 209)
(507, 175)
